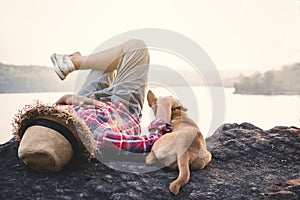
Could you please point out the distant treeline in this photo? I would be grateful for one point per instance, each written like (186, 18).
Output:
(14, 79)
(273, 82)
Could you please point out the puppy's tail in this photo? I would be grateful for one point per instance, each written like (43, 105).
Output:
(184, 173)
(150, 159)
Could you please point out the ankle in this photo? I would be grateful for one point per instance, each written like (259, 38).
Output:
(76, 59)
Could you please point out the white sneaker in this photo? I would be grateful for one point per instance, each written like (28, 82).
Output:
(63, 65)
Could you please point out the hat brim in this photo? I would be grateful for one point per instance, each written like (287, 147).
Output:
(63, 115)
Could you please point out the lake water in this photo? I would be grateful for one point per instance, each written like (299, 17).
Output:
(262, 111)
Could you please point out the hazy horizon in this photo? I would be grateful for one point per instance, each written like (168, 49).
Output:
(224, 73)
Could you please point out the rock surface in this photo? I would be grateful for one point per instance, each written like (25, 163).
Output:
(248, 163)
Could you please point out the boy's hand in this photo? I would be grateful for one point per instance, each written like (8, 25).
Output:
(70, 99)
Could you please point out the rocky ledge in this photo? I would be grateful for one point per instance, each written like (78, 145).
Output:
(248, 163)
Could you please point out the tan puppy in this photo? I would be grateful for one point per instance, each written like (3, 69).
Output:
(184, 148)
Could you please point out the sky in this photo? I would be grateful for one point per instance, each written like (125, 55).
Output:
(236, 34)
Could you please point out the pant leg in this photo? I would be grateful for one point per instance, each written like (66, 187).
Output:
(131, 79)
(96, 81)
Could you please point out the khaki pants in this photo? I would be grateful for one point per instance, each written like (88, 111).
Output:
(127, 83)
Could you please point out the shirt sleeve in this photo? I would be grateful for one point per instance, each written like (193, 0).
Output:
(138, 144)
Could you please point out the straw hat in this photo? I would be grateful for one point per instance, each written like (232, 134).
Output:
(51, 136)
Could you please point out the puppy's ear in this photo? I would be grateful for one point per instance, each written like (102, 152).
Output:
(184, 109)
(151, 98)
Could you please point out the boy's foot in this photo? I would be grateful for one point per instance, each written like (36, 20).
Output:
(63, 65)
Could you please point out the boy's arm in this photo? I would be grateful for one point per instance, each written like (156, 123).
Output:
(138, 144)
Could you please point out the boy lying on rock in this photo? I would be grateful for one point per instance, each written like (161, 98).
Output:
(104, 114)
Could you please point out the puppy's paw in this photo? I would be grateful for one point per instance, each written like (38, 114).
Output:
(174, 188)
(150, 159)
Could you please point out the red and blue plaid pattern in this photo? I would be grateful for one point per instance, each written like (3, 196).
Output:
(115, 128)
(138, 144)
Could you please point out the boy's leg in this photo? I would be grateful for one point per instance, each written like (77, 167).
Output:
(131, 79)
(103, 65)
(130, 60)
(106, 60)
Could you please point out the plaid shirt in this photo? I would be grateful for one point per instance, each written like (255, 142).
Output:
(116, 129)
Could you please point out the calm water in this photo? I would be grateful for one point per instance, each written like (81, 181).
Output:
(263, 111)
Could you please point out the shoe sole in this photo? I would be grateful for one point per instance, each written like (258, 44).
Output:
(57, 68)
